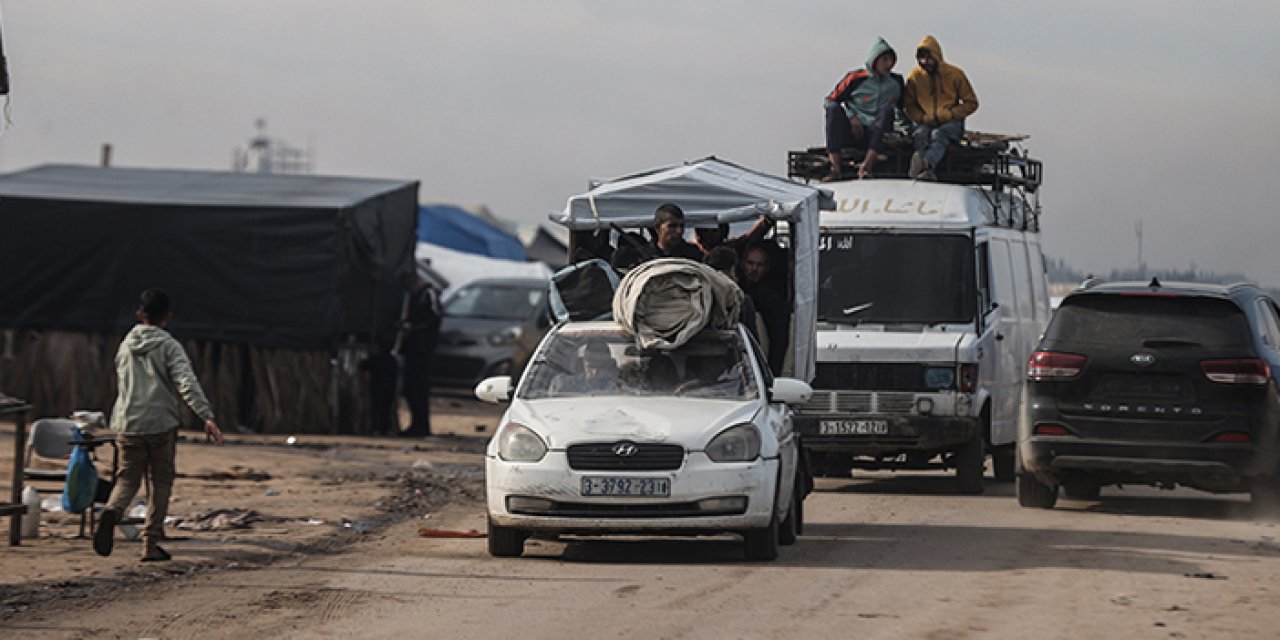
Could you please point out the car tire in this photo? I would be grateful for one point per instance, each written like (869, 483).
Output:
(970, 458)
(790, 527)
(1034, 494)
(762, 544)
(1082, 489)
(1264, 493)
(506, 542)
(1002, 463)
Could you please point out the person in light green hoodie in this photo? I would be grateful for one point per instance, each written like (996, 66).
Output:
(154, 379)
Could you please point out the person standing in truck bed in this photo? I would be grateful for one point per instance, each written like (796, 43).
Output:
(861, 108)
(938, 98)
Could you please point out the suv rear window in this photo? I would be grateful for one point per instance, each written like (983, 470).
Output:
(1110, 319)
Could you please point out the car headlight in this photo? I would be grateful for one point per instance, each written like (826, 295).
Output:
(739, 443)
(505, 336)
(939, 378)
(518, 443)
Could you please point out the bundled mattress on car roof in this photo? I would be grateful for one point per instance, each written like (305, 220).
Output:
(665, 302)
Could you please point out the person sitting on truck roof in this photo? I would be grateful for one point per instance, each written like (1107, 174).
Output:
(668, 231)
(938, 98)
(861, 108)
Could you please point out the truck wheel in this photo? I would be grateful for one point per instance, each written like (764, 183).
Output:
(970, 458)
(1034, 494)
(1082, 489)
(791, 524)
(1264, 492)
(835, 465)
(1002, 463)
(505, 542)
(762, 544)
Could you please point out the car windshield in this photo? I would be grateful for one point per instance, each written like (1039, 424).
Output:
(890, 278)
(494, 301)
(1131, 321)
(715, 364)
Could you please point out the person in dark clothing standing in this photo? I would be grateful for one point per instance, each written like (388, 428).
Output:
(668, 231)
(770, 302)
(725, 260)
(418, 340)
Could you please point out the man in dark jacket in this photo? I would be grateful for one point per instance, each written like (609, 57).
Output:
(938, 98)
(770, 302)
(668, 231)
(725, 260)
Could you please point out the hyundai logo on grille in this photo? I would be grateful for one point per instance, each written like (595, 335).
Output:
(1142, 359)
(625, 449)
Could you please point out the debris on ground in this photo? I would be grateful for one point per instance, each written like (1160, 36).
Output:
(235, 472)
(449, 533)
(219, 520)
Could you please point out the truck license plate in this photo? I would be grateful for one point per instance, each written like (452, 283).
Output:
(853, 427)
(627, 487)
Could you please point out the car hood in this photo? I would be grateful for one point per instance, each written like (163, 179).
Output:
(888, 346)
(690, 422)
(458, 331)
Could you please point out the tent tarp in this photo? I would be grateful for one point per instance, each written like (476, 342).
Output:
(270, 260)
(456, 228)
(711, 191)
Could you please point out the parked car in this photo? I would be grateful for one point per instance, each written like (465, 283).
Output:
(490, 328)
(1150, 383)
(602, 438)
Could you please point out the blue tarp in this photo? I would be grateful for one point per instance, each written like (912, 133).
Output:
(456, 228)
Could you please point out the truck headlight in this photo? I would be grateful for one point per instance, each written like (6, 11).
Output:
(506, 336)
(518, 443)
(939, 378)
(739, 443)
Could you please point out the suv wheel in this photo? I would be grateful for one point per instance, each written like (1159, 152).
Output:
(1264, 492)
(1032, 493)
(970, 458)
(505, 542)
(1082, 489)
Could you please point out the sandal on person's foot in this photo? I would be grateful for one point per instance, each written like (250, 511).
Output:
(104, 536)
(156, 554)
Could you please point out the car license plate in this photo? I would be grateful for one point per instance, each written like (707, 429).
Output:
(853, 427)
(627, 487)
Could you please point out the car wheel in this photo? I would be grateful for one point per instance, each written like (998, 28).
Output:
(762, 544)
(505, 542)
(1264, 492)
(791, 524)
(970, 458)
(1082, 489)
(1002, 464)
(1033, 493)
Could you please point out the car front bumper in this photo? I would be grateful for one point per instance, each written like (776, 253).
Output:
(696, 481)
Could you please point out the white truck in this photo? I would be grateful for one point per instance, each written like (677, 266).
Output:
(931, 297)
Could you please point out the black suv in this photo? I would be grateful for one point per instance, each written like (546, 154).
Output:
(1150, 383)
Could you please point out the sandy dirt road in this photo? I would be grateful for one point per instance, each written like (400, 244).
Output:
(882, 556)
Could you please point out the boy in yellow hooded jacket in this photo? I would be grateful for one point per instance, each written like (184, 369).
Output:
(937, 97)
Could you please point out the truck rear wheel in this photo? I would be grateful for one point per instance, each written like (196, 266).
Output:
(970, 459)
(1002, 462)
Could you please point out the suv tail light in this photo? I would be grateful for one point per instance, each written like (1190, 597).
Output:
(968, 380)
(1051, 365)
(1051, 429)
(1232, 437)
(1236, 371)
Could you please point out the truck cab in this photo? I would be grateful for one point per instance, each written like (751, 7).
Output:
(931, 297)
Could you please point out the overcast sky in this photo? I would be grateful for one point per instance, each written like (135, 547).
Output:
(1160, 111)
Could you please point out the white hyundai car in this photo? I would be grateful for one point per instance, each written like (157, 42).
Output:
(604, 438)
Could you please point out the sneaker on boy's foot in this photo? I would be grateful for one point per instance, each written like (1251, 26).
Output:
(104, 537)
(917, 165)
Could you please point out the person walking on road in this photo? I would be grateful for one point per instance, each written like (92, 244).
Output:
(154, 379)
(938, 98)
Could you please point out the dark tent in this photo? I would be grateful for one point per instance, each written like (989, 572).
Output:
(283, 285)
(273, 260)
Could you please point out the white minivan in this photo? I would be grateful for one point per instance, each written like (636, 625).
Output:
(931, 298)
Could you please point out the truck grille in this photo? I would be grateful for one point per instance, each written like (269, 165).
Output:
(600, 456)
(875, 376)
(829, 402)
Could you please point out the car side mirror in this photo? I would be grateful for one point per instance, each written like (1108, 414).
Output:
(496, 389)
(790, 391)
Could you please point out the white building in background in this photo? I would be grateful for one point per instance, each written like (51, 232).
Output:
(265, 154)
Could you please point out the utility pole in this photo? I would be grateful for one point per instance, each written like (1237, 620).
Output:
(1142, 267)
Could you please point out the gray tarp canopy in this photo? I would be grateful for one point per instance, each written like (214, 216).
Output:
(711, 191)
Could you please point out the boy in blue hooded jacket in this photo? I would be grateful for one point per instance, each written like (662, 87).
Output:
(861, 108)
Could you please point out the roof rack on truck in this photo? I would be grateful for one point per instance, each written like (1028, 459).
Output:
(985, 159)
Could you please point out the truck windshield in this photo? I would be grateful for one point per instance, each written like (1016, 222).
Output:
(892, 278)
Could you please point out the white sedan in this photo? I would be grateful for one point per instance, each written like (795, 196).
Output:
(604, 438)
